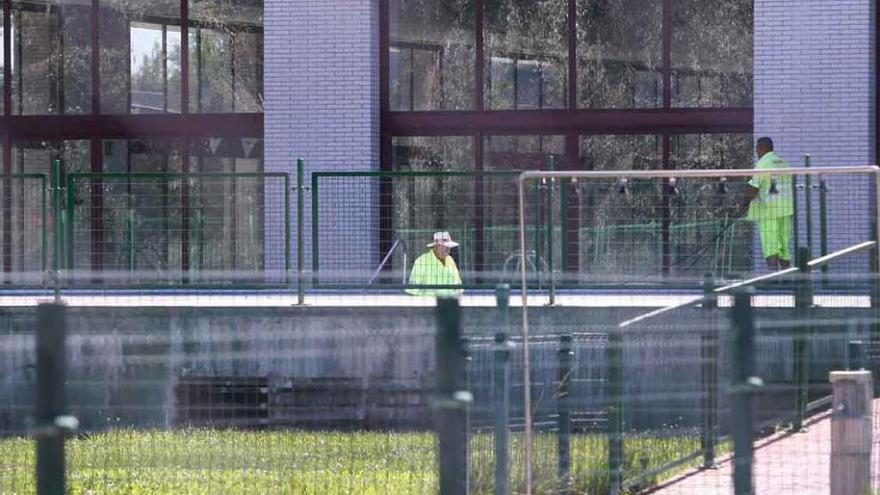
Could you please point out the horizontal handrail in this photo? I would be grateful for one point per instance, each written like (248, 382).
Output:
(673, 174)
(660, 311)
(837, 254)
(752, 281)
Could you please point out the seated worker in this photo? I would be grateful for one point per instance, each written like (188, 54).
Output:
(436, 267)
(769, 201)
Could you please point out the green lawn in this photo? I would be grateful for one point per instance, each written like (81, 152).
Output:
(201, 461)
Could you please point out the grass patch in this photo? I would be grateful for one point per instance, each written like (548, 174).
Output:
(203, 461)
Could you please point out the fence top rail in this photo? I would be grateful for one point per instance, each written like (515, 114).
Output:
(748, 282)
(166, 175)
(389, 174)
(755, 280)
(675, 174)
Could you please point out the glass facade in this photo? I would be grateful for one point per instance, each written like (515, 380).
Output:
(592, 85)
(131, 86)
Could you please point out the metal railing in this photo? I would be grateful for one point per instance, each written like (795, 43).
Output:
(803, 295)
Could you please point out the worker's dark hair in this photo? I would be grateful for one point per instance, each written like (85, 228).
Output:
(766, 142)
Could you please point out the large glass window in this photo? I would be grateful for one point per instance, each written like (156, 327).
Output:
(619, 53)
(431, 55)
(140, 56)
(712, 53)
(51, 57)
(225, 56)
(625, 51)
(526, 54)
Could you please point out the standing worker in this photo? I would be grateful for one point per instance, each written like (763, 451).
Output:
(436, 267)
(768, 198)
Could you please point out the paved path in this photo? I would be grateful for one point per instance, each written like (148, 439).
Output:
(785, 463)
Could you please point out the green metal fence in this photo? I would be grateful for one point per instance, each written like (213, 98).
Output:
(165, 229)
(364, 229)
(596, 230)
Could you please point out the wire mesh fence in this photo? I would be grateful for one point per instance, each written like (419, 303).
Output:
(621, 401)
(641, 227)
(24, 230)
(170, 229)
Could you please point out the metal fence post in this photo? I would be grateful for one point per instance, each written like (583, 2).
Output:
(315, 231)
(552, 292)
(795, 218)
(451, 400)
(808, 205)
(874, 292)
(744, 385)
(129, 227)
(563, 228)
(563, 404)
(502, 391)
(710, 377)
(823, 225)
(50, 408)
(614, 359)
(59, 226)
(300, 225)
(803, 300)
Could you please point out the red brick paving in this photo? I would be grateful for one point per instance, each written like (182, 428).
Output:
(785, 463)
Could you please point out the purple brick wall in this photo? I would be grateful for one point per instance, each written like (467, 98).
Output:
(322, 105)
(814, 85)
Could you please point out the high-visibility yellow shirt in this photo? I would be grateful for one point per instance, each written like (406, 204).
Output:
(774, 199)
(428, 270)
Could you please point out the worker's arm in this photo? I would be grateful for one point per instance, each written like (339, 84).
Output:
(748, 195)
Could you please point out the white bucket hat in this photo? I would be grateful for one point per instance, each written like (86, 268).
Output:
(443, 239)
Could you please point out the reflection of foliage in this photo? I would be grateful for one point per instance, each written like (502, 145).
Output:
(55, 69)
(440, 35)
(531, 35)
(619, 53)
(712, 52)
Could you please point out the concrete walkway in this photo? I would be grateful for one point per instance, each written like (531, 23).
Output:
(785, 463)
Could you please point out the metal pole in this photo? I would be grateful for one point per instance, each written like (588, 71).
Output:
(563, 227)
(795, 219)
(823, 224)
(315, 253)
(614, 354)
(563, 404)
(130, 227)
(51, 403)
(44, 230)
(527, 396)
(451, 399)
(59, 227)
(808, 205)
(502, 391)
(744, 385)
(538, 234)
(803, 301)
(300, 225)
(710, 377)
(549, 228)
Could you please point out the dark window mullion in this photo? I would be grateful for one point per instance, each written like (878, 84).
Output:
(164, 68)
